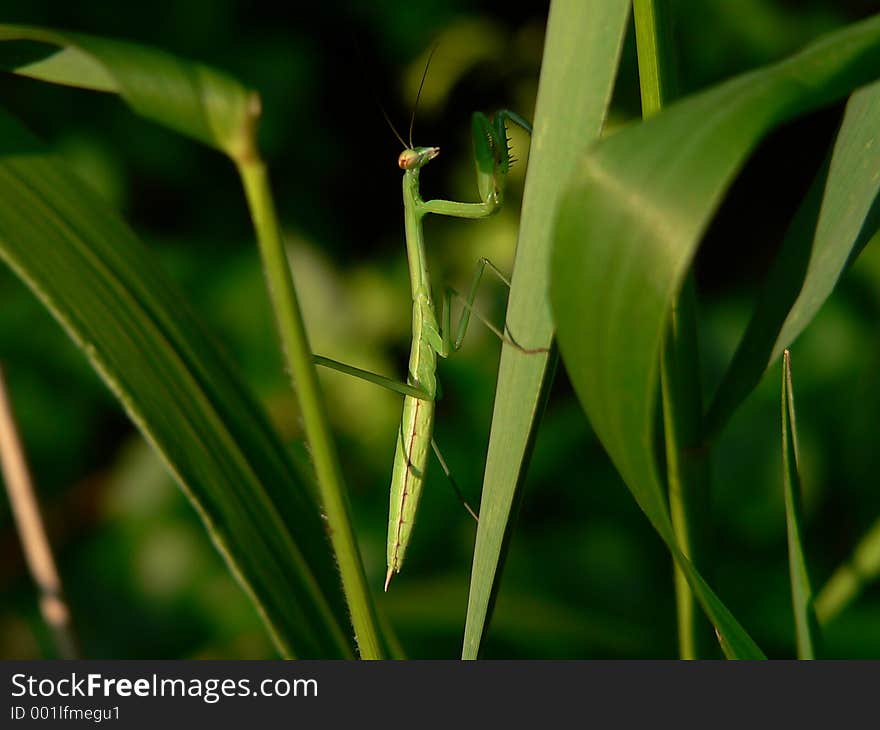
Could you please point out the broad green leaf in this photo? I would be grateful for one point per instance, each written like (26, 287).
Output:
(806, 626)
(582, 47)
(186, 96)
(687, 461)
(139, 332)
(627, 232)
(835, 221)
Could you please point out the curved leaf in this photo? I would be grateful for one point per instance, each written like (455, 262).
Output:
(627, 232)
(141, 335)
(835, 221)
(184, 95)
(215, 109)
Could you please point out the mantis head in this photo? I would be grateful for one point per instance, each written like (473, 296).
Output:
(415, 158)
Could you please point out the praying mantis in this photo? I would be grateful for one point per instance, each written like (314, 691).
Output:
(433, 336)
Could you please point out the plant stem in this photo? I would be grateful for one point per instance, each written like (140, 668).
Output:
(687, 462)
(32, 532)
(654, 48)
(687, 465)
(298, 356)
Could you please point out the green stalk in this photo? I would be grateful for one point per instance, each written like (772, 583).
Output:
(686, 453)
(298, 356)
(687, 465)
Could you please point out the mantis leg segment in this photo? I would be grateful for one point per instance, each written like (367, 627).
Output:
(455, 209)
(452, 481)
(380, 380)
(472, 295)
(512, 116)
(453, 343)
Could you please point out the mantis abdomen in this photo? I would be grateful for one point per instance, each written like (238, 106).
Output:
(414, 435)
(408, 476)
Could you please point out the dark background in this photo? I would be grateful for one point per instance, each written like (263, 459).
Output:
(586, 575)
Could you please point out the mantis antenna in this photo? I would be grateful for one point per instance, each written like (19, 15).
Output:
(412, 119)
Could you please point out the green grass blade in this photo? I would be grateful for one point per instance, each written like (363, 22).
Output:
(848, 581)
(628, 230)
(806, 626)
(141, 335)
(208, 106)
(835, 221)
(580, 62)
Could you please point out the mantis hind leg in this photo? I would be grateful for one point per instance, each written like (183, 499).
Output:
(452, 343)
(402, 389)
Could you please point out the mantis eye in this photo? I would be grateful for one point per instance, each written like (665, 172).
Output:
(411, 159)
(408, 159)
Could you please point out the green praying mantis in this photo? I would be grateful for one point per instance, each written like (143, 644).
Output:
(433, 336)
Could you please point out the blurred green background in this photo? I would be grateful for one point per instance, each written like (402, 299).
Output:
(586, 576)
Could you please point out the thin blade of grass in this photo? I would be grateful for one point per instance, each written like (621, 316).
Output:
(850, 579)
(628, 230)
(582, 47)
(806, 626)
(142, 337)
